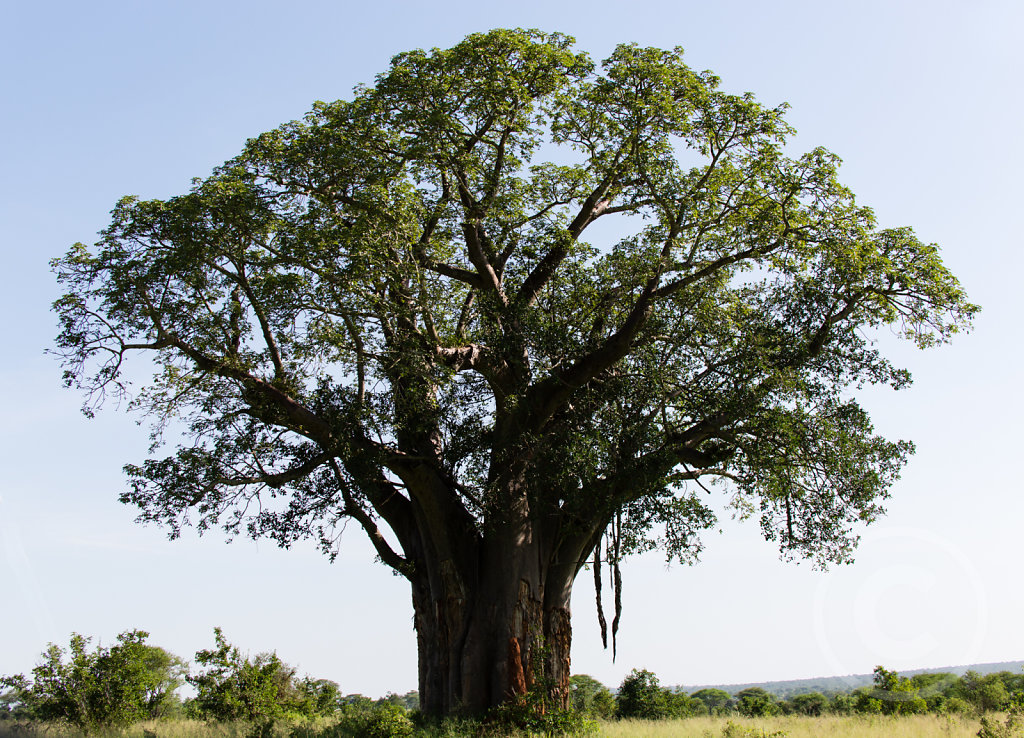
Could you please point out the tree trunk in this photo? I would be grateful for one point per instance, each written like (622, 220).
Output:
(484, 643)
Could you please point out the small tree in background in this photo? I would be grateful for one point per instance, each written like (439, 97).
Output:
(640, 696)
(985, 693)
(757, 702)
(409, 701)
(715, 701)
(317, 697)
(588, 696)
(844, 703)
(681, 704)
(1012, 727)
(934, 689)
(814, 704)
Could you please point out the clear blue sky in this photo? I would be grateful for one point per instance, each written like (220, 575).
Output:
(922, 101)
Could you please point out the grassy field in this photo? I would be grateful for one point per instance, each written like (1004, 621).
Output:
(911, 726)
(915, 726)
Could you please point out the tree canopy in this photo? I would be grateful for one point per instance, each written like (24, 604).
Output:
(406, 309)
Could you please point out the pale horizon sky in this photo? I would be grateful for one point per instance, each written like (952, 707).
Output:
(920, 99)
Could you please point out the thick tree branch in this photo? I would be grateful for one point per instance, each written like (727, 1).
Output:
(380, 544)
(719, 264)
(592, 207)
(482, 360)
(544, 398)
(280, 479)
(463, 275)
(489, 279)
(291, 412)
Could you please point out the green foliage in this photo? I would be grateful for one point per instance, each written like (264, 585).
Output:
(356, 702)
(588, 696)
(234, 686)
(985, 693)
(316, 697)
(604, 705)
(375, 720)
(386, 722)
(523, 716)
(15, 697)
(865, 704)
(897, 695)
(757, 702)
(682, 705)
(732, 730)
(842, 704)
(115, 686)
(641, 696)
(1011, 727)
(814, 704)
(409, 701)
(934, 688)
(715, 701)
(536, 712)
(957, 706)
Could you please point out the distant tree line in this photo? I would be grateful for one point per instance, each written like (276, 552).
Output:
(641, 696)
(132, 681)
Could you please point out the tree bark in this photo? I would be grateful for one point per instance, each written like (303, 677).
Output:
(488, 642)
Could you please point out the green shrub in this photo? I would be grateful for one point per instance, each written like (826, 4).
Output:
(529, 713)
(732, 730)
(1012, 727)
(385, 721)
(956, 706)
(814, 704)
(116, 686)
(235, 687)
(898, 695)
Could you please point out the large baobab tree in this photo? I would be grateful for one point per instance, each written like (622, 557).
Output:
(399, 311)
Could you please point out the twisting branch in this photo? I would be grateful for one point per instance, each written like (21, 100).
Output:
(592, 207)
(380, 544)
(454, 272)
(548, 395)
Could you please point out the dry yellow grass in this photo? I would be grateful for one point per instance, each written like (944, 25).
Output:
(913, 726)
(148, 729)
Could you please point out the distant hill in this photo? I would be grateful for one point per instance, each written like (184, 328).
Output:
(832, 685)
